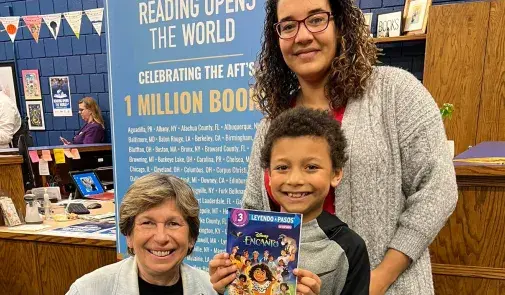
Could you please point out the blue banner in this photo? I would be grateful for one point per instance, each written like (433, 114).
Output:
(180, 73)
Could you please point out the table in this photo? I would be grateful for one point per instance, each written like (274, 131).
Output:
(37, 263)
(468, 255)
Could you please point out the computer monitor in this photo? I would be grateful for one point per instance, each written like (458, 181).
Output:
(87, 183)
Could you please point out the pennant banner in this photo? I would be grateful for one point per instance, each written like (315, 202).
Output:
(74, 19)
(33, 23)
(96, 17)
(11, 24)
(53, 22)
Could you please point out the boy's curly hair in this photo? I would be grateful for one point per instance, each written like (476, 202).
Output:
(350, 69)
(300, 121)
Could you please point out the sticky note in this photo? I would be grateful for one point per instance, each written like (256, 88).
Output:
(34, 156)
(43, 167)
(46, 155)
(75, 154)
(68, 153)
(59, 156)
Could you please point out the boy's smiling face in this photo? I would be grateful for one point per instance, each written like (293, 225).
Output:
(301, 174)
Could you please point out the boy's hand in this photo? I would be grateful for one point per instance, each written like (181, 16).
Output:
(308, 282)
(222, 272)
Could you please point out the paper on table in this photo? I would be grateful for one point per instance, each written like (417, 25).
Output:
(59, 156)
(75, 154)
(34, 156)
(490, 160)
(68, 153)
(43, 167)
(29, 227)
(46, 155)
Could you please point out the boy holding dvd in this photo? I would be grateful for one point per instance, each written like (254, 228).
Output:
(304, 152)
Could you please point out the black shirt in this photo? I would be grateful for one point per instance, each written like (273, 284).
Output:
(146, 288)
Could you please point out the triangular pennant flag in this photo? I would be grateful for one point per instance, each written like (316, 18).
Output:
(11, 24)
(74, 19)
(33, 23)
(53, 22)
(95, 17)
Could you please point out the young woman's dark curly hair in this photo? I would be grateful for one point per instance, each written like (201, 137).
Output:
(349, 72)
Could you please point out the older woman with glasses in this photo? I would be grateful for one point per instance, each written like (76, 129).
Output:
(399, 185)
(93, 130)
(159, 217)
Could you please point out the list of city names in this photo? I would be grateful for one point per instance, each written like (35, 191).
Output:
(212, 158)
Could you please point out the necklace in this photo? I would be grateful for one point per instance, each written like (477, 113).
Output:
(261, 288)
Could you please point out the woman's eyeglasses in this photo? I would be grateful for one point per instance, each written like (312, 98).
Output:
(314, 23)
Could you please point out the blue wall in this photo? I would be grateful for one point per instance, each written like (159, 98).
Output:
(406, 55)
(84, 60)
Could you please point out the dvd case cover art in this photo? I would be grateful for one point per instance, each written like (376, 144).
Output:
(264, 247)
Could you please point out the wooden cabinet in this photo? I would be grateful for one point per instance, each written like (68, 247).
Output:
(468, 255)
(465, 65)
(11, 181)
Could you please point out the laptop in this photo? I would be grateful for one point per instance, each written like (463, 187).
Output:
(89, 186)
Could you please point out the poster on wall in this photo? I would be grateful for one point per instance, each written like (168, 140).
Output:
(60, 94)
(31, 84)
(35, 113)
(183, 105)
(8, 80)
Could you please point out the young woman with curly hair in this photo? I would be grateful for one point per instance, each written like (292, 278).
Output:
(399, 185)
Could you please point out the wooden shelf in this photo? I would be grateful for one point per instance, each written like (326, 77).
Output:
(400, 39)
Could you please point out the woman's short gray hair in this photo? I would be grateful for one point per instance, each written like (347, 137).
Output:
(152, 190)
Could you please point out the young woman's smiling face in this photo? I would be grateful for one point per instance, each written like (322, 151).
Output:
(308, 55)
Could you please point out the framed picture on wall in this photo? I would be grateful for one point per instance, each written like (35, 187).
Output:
(415, 16)
(389, 24)
(31, 84)
(8, 83)
(35, 113)
(368, 21)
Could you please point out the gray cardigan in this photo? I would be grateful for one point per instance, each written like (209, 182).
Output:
(399, 185)
(121, 278)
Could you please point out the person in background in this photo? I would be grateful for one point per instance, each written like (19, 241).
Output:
(399, 185)
(10, 120)
(159, 217)
(94, 130)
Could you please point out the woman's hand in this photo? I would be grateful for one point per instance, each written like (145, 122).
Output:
(222, 272)
(65, 142)
(378, 283)
(386, 273)
(308, 282)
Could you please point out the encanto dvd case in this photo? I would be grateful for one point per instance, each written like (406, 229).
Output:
(264, 246)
